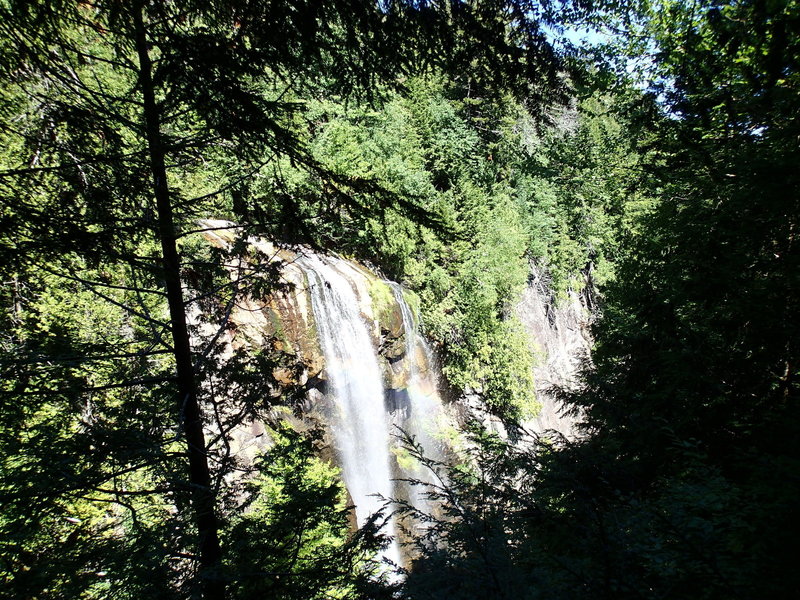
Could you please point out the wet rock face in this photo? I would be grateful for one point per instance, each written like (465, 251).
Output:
(283, 321)
(392, 348)
(390, 332)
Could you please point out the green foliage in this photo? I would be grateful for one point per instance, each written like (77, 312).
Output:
(532, 520)
(436, 183)
(80, 464)
(292, 537)
(504, 193)
(684, 484)
(577, 185)
(467, 280)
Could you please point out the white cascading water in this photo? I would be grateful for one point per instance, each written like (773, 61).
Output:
(360, 426)
(425, 412)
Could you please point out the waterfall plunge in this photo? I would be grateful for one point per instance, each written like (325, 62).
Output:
(359, 424)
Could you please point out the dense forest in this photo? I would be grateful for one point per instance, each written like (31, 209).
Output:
(641, 155)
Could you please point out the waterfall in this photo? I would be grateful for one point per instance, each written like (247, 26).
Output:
(422, 420)
(377, 372)
(359, 426)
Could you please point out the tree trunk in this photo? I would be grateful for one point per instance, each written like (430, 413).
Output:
(203, 497)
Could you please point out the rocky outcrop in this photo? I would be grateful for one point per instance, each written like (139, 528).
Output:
(559, 331)
(283, 320)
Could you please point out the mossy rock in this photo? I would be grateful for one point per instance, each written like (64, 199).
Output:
(385, 308)
(406, 461)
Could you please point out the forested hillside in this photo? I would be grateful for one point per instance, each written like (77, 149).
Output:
(457, 148)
